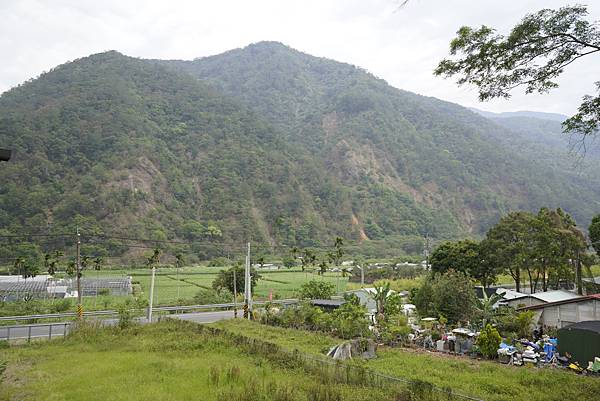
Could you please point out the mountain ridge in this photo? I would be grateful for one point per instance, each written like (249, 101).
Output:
(262, 143)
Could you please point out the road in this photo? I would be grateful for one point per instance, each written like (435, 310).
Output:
(58, 329)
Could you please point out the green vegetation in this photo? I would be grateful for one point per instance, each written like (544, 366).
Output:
(450, 295)
(488, 380)
(172, 360)
(315, 289)
(533, 55)
(545, 249)
(191, 285)
(270, 145)
(595, 233)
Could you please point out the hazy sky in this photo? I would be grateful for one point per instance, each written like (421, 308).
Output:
(400, 45)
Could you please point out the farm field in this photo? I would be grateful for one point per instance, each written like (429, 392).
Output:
(168, 289)
(171, 360)
(172, 288)
(483, 379)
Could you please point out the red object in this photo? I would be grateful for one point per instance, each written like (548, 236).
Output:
(271, 294)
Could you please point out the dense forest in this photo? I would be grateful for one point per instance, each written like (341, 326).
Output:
(265, 144)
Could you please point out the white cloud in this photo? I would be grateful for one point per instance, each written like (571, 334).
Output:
(400, 45)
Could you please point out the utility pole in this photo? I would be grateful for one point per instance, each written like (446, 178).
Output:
(247, 287)
(427, 252)
(151, 294)
(78, 269)
(362, 276)
(234, 290)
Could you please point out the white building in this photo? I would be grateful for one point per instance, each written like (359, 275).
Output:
(565, 312)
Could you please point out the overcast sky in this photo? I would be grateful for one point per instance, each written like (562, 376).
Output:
(401, 46)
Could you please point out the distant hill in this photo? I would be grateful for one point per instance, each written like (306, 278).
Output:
(266, 144)
(532, 114)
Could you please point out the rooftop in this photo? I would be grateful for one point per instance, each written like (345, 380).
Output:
(566, 301)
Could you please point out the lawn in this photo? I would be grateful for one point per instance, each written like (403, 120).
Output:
(171, 360)
(484, 379)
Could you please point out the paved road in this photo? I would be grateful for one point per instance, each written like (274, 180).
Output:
(58, 329)
(206, 317)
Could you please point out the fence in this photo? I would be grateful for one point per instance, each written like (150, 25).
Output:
(333, 371)
(108, 313)
(36, 331)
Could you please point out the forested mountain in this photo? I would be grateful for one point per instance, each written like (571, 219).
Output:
(442, 155)
(263, 143)
(540, 115)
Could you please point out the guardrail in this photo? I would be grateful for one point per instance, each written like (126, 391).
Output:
(157, 309)
(29, 331)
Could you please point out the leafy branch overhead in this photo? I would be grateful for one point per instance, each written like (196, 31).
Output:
(532, 55)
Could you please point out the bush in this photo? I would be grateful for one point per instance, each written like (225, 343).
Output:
(349, 321)
(488, 341)
(125, 315)
(316, 289)
(206, 296)
(514, 324)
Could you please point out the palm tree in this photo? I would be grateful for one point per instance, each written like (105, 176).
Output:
(18, 264)
(339, 252)
(294, 252)
(380, 296)
(485, 307)
(322, 267)
(98, 260)
(308, 258)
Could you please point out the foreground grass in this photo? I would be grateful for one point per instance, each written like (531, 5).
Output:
(171, 360)
(487, 380)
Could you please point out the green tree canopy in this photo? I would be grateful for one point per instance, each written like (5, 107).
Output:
(595, 233)
(450, 295)
(316, 289)
(535, 52)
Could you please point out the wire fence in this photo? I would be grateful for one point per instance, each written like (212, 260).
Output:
(338, 372)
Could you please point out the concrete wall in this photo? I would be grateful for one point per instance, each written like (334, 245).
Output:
(566, 314)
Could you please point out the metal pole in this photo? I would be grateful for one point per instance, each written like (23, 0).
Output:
(50, 332)
(249, 286)
(234, 292)
(79, 306)
(29, 334)
(151, 295)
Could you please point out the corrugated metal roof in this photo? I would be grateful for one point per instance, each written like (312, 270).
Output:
(555, 296)
(509, 294)
(595, 297)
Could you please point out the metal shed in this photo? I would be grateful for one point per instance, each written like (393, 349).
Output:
(581, 340)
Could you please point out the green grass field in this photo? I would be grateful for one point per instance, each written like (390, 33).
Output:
(173, 288)
(171, 360)
(485, 379)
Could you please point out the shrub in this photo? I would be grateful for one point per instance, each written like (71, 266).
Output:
(206, 296)
(349, 321)
(125, 315)
(316, 289)
(514, 324)
(488, 341)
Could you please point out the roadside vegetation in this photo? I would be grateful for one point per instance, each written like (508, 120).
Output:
(175, 360)
(477, 378)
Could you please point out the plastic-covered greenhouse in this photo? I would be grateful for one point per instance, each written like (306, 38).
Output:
(581, 340)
